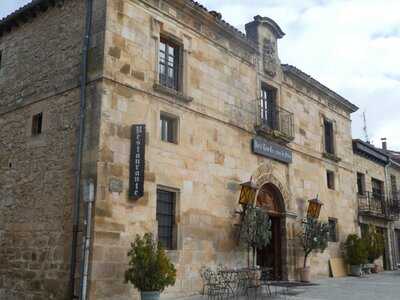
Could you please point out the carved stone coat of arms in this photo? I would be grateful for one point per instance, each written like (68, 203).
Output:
(269, 57)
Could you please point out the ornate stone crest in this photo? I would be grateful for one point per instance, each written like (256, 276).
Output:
(269, 57)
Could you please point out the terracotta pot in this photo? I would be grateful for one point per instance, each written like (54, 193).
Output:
(149, 295)
(305, 274)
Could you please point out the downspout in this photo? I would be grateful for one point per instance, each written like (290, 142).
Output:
(78, 166)
(389, 236)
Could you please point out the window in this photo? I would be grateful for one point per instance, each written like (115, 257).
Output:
(169, 128)
(267, 106)
(377, 188)
(330, 177)
(166, 218)
(37, 122)
(329, 142)
(333, 230)
(169, 64)
(361, 184)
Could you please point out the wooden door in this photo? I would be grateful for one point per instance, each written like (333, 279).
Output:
(270, 256)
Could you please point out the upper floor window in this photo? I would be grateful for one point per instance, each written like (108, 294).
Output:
(361, 184)
(268, 106)
(166, 202)
(328, 137)
(37, 123)
(377, 188)
(169, 64)
(169, 128)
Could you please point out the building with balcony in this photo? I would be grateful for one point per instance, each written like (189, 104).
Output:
(378, 197)
(181, 108)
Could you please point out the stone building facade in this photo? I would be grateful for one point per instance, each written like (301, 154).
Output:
(219, 109)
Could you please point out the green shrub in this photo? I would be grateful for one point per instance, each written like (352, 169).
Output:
(149, 267)
(356, 250)
(374, 242)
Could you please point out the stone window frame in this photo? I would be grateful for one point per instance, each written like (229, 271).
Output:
(335, 238)
(176, 127)
(177, 241)
(159, 32)
(37, 140)
(331, 181)
(332, 156)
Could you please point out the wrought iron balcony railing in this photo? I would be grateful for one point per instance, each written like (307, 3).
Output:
(377, 205)
(275, 122)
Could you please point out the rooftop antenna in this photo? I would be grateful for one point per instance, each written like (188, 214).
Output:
(365, 128)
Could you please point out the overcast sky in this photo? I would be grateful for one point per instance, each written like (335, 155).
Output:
(352, 46)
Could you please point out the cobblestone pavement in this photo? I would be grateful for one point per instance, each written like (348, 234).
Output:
(382, 286)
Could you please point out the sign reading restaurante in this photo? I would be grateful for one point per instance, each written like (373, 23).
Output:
(136, 178)
(272, 150)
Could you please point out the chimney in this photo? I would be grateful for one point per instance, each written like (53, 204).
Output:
(384, 143)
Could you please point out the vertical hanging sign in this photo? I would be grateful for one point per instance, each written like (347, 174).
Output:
(136, 168)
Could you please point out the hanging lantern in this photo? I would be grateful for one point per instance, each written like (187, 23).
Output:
(314, 208)
(247, 193)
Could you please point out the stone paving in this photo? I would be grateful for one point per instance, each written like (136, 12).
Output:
(382, 286)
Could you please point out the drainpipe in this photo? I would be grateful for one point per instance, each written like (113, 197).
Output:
(389, 236)
(78, 166)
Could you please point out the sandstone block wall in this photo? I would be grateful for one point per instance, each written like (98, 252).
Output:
(40, 73)
(213, 154)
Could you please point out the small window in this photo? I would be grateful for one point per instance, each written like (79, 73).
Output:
(361, 184)
(166, 201)
(37, 123)
(329, 140)
(330, 177)
(169, 64)
(169, 128)
(333, 230)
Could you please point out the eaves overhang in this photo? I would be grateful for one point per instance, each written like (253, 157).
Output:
(370, 152)
(26, 13)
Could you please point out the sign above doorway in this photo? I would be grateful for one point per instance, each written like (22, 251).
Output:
(272, 150)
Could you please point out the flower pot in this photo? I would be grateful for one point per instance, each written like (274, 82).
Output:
(355, 270)
(150, 295)
(305, 274)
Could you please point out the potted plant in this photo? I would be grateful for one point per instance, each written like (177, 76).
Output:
(313, 237)
(150, 270)
(375, 244)
(255, 231)
(356, 254)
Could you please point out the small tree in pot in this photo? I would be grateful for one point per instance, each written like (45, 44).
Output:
(356, 253)
(313, 237)
(255, 230)
(150, 270)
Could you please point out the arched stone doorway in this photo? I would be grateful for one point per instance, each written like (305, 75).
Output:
(270, 199)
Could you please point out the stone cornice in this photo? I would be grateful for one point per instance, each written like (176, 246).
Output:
(214, 20)
(278, 32)
(339, 100)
